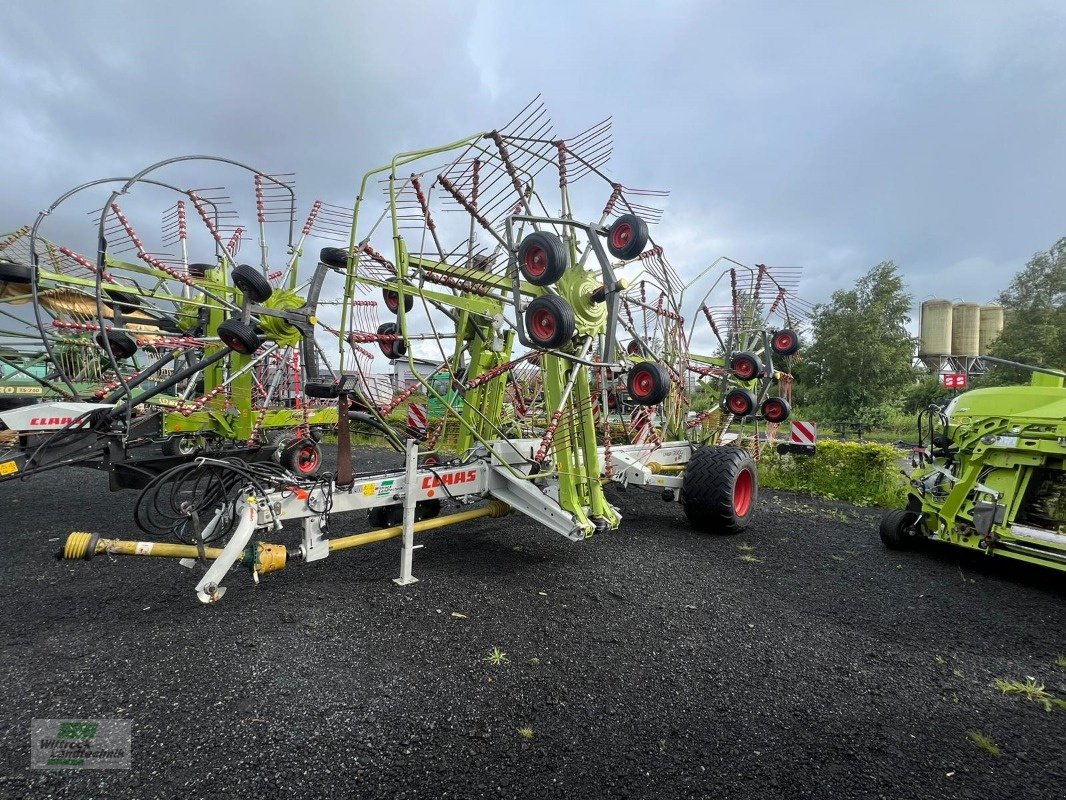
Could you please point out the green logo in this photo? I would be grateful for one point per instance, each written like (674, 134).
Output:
(77, 730)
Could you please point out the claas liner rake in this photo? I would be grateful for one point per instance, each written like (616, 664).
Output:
(562, 362)
(135, 349)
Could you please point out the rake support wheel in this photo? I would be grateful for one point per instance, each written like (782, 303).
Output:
(719, 490)
(627, 237)
(391, 348)
(239, 337)
(784, 342)
(746, 366)
(776, 410)
(542, 258)
(122, 345)
(392, 300)
(302, 457)
(550, 322)
(252, 283)
(648, 383)
(739, 402)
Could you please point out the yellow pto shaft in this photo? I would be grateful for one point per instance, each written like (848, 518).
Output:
(260, 556)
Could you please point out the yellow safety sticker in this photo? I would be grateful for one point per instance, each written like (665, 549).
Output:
(369, 489)
(9, 468)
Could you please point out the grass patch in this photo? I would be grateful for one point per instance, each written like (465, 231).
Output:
(1032, 690)
(865, 474)
(527, 733)
(1060, 661)
(497, 657)
(984, 742)
(748, 558)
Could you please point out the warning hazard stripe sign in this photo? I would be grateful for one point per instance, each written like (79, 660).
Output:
(805, 433)
(416, 417)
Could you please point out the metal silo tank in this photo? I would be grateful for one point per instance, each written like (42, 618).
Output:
(935, 336)
(966, 329)
(990, 327)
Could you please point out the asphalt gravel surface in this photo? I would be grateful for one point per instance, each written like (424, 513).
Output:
(797, 660)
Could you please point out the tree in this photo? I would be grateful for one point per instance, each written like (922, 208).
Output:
(1034, 330)
(860, 361)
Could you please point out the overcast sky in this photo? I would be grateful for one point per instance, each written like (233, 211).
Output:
(830, 136)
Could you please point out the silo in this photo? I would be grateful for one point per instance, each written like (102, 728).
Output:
(991, 325)
(965, 329)
(935, 339)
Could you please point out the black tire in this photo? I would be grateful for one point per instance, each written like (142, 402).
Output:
(720, 489)
(180, 445)
(122, 345)
(252, 283)
(11, 272)
(648, 383)
(745, 366)
(303, 457)
(542, 258)
(739, 402)
(123, 301)
(550, 322)
(395, 348)
(200, 270)
(634, 348)
(776, 410)
(392, 300)
(334, 257)
(627, 237)
(897, 529)
(239, 337)
(784, 342)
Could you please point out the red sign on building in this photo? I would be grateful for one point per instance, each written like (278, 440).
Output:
(954, 380)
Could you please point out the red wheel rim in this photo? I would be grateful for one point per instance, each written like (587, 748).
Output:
(744, 368)
(307, 459)
(743, 490)
(738, 404)
(536, 262)
(633, 348)
(392, 300)
(231, 342)
(621, 236)
(783, 341)
(543, 325)
(773, 410)
(643, 383)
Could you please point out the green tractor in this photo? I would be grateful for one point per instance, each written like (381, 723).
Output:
(991, 473)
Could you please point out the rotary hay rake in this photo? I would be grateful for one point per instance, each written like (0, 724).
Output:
(158, 349)
(563, 337)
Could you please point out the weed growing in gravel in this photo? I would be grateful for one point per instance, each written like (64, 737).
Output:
(984, 742)
(526, 733)
(1031, 690)
(497, 657)
(749, 558)
(1060, 661)
(745, 548)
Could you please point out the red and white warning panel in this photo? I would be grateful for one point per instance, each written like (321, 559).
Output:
(804, 433)
(417, 416)
(802, 441)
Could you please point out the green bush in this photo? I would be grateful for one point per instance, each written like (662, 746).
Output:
(866, 474)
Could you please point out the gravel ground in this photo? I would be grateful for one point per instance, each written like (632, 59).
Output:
(797, 660)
